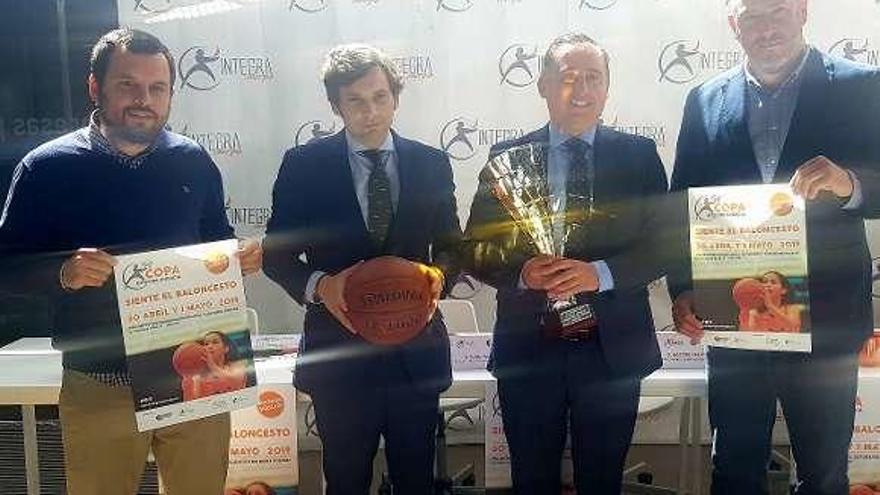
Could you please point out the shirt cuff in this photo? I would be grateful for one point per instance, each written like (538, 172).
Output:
(606, 281)
(312, 285)
(855, 199)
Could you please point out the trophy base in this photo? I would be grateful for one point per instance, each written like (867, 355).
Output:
(570, 321)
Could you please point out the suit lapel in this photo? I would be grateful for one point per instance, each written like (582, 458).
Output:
(603, 163)
(409, 177)
(802, 141)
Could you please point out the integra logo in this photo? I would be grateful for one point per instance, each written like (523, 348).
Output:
(152, 6)
(414, 67)
(454, 5)
(202, 68)
(857, 50)
(597, 4)
(519, 65)
(216, 142)
(461, 137)
(308, 6)
(681, 61)
(313, 130)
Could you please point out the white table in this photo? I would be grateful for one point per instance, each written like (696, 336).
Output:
(30, 375)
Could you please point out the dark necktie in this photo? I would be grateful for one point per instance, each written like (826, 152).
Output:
(380, 210)
(577, 184)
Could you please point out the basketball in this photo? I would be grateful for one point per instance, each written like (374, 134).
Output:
(748, 293)
(781, 204)
(870, 354)
(388, 299)
(188, 359)
(216, 262)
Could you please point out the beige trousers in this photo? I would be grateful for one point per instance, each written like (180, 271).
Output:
(105, 454)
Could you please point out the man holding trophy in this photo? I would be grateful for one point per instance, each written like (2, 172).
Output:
(563, 226)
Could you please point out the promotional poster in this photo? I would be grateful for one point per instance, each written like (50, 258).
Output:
(186, 334)
(864, 451)
(749, 262)
(263, 448)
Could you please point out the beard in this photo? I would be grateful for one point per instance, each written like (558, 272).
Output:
(118, 130)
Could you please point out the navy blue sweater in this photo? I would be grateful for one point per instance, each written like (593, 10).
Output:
(70, 193)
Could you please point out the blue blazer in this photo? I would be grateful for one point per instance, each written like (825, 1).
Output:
(316, 224)
(837, 115)
(630, 189)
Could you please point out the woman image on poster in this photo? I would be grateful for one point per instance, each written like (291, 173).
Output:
(770, 310)
(220, 370)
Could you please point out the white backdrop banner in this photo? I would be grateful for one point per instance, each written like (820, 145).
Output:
(248, 82)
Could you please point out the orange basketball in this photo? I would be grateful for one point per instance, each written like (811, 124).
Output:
(860, 490)
(216, 262)
(188, 359)
(389, 300)
(870, 353)
(748, 293)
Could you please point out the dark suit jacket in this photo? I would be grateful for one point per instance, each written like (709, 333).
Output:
(316, 224)
(630, 187)
(837, 115)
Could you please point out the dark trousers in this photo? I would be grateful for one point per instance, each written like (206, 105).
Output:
(351, 418)
(569, 385)
(817, 395)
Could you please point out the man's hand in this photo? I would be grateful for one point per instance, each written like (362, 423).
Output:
(435, 279)
(88, 267)
(331, 290)
(821, 174)
(686, 322)
(250, 255)
(570, 277)
(536, 271)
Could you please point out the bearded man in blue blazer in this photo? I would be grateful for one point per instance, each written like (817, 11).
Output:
(791, 114)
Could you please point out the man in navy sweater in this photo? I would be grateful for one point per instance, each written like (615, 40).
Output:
(121, 185)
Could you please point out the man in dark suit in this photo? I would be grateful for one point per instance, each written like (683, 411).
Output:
(361, 193)
(590, 379)
(791, 113)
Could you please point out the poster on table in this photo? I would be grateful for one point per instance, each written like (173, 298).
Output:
(864, 451)
(497, 453)
(678, 352)
(749, 264)
(470, 351)
(185, 332)
(263, 448)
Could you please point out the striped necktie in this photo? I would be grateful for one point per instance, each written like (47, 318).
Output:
(577, 183)
(380, 210)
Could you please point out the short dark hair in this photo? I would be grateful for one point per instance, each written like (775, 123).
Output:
(134, 41)
(570, 39)
(346, 64)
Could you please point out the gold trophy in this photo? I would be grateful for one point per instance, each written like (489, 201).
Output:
(517, 180)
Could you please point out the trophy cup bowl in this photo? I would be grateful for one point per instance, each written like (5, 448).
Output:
(516, 178)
